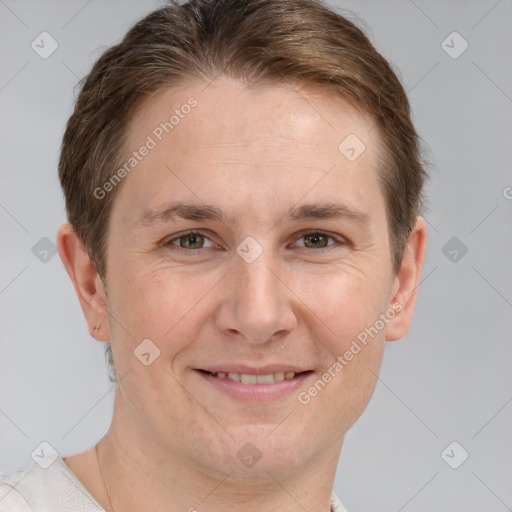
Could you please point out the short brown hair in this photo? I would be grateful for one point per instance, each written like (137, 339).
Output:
(258, 42)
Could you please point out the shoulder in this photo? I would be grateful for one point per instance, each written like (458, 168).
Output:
(54, 489)
(11, 498)
(336, 505)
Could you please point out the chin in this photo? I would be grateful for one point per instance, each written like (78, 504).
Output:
(257, 450)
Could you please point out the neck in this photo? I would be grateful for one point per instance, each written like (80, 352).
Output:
(143, 474)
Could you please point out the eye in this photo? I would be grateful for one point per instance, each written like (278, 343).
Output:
(190, 240)
(314, 239)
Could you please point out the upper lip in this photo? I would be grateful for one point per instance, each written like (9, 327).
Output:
(251, 370)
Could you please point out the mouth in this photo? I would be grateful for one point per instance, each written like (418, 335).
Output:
(255, 387)
(251, 379)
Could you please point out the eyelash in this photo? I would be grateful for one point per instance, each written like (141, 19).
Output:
(173, 247)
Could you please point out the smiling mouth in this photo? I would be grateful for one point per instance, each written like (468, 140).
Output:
(251, 379)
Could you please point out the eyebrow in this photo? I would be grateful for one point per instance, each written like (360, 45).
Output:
(201, 212)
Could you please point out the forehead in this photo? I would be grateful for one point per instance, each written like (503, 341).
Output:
(242, 146)
(305, 115)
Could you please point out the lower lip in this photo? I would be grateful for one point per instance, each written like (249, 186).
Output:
(256, 392)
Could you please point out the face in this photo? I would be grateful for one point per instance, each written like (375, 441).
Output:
(288, 263)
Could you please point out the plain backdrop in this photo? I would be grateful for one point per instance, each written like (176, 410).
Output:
(449, 380)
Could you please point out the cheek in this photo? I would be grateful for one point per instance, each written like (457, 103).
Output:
(160, 304)
(352, 340)
(345, 302)
(353, 349)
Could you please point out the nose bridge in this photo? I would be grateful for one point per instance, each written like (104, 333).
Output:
(257, 308)
(257, 283)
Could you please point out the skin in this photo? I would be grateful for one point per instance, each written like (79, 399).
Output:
(173, 441)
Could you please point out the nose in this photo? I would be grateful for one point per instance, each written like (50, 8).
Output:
(258, 305)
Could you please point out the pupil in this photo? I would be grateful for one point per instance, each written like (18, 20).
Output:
(315, 238)
(191, 240)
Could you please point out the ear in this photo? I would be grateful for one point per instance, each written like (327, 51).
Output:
(86, 280)
(406, 282)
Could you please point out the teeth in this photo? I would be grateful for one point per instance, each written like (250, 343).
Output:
(278, 376)
(246, 378)
(234, 376)
(265, 379)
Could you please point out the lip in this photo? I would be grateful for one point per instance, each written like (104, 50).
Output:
(255, 392)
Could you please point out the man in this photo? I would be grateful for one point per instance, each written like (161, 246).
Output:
(243, 184)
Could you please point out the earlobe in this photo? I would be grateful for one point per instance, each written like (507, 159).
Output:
(88, 285)
(406, 281)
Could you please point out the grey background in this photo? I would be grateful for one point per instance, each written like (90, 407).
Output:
(449, 380)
